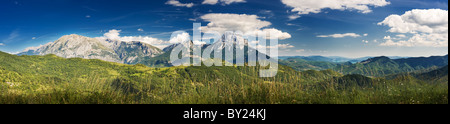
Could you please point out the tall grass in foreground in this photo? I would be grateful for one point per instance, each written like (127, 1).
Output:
(243, 88)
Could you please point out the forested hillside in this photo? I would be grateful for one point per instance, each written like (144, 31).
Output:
(304, 65)
(384, 66)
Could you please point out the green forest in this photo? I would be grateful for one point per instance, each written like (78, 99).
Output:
(54, 80)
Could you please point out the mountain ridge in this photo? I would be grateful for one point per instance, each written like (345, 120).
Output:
(335, 59)
(384, 66)
(77, 46)
(229, 40)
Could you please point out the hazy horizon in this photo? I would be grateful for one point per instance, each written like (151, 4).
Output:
(307, 55)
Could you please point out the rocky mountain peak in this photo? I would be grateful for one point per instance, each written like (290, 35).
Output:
(77, 46)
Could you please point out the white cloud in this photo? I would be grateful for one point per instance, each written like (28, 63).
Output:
(140, 29)
(232, 1)
(223, 2)
(233, 22)
(35, 48)
(365, 41)
(300, 50)
(424, 40)
(250, 25)
(1, 44)
(179, 4)
(354, 35)
(280, 46)
(196, 42)
(387, 37)
(254, 42)
(192, 19)
(274, 33)
(115, 35)
(290, 24)
(428, 27)
(293, 17)
(33, 38)
(211, 2)
(285, 46)
(401, 36)
(180, 38)
(418, 21)
(303, 7)
(183, 37)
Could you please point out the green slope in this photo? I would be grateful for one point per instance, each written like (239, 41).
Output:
(54, 80)
(304, 65)
(160, 61)
(384, 66)
(439, 75)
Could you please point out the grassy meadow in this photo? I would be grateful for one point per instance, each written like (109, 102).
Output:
(54, 80)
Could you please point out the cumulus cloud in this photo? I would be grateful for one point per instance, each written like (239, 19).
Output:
(272, 33)
(354, 35)
(140, 29)
(233, 22)
(250, 25)
(180, 38)
(179, 4)
(115, 35)
(303, 7)
(427, 27)
(418, 21)
(1, 44)
(223, 2)
(183, 37)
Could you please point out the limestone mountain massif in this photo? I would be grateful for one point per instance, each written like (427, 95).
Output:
(76, 46)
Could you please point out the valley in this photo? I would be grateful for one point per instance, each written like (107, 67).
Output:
(81, 70)
(51, 79)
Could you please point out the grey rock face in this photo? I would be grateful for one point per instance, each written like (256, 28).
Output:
(76, 46)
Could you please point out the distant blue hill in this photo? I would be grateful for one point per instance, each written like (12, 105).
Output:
(335, 59)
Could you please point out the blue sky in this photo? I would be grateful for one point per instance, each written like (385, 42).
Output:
(27, 23)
